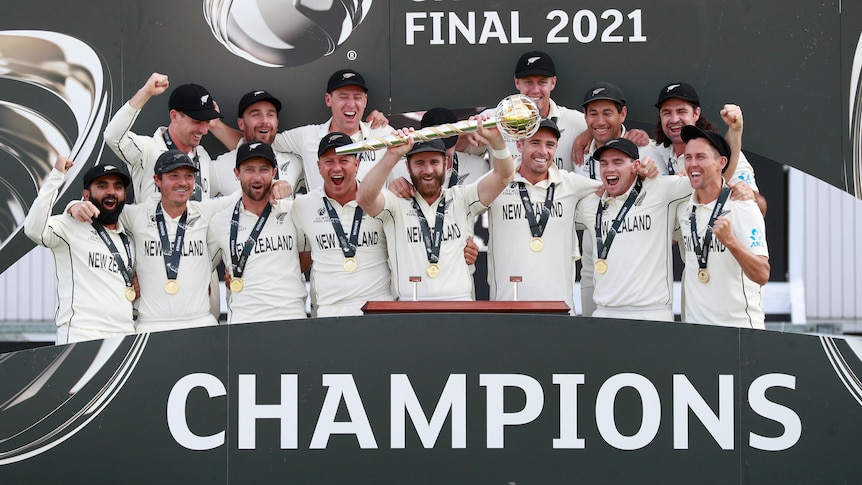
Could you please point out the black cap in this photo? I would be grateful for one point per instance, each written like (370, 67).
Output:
(682, 91)
(195, 101)
(535, 63)
(257, 149)
(439, 116)
(253, 97)
(621, 144)
(334, 139)
(172, 160)
(549, 124)
(107, 169)
(345, 77)
(427, 146)
(690, 132)
(604, 91)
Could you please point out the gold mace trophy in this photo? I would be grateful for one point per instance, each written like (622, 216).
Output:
(517, 117)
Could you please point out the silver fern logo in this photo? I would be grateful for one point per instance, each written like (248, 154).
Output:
(274, 33)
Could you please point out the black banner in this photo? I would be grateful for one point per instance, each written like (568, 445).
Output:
(435, 399)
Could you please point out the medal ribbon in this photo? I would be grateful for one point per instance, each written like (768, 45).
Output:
(348, 245)
(126, 271)
(432, 245)
(592, 163)
(171, 253)
(702, 252)
(537, 228)
(238, 260)
(670, 169)
(603, 249)
(198, 192)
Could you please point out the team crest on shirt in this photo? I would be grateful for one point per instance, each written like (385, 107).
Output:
(321, 211)
(279, 219)
(757, 239)
(640, 200)
(745, 177)
(191, 221)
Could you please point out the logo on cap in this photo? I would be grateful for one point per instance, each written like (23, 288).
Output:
(672, 87)
(253, 146)
(204, 99)
(347, 75)
(109, 167)
(533, 59)
(333, 138)
(257, 93)
(597, 91)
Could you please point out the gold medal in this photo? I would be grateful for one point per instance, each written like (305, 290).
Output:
(172, 287)
(130, 293)
(536, 244)
(703, 275)
(350, 265)
(601, 266)
(433, 270)
(236, 285)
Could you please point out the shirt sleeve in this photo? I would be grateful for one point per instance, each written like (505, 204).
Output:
(128, 146)
(38, 224)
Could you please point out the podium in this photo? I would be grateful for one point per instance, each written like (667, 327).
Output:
(481, 306)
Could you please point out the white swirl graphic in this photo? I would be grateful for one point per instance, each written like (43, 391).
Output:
(275, 33)
(55, 101)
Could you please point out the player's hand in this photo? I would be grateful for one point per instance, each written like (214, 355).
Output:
(648, 168)
(732, 116)
(406, 134)
(84, 211)
(377, 119)
(722, 231)
(741, 191)
(215, 122)
(638, 137)
(227, 281)
(63, 164)
(473, 139)
(402, 188)
(136, 286)
(156, 84)
(471, 252)
(281, 189)
(492, 135)
(580, 147)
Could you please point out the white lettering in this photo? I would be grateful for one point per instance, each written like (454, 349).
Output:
(569, 411)
(686, 397)
(342, 387)
(651, 417)
(493, 28)
(776, 412)
(413, 27)
(453, 397)
(497, 418)
(248, 412)
(177, 423)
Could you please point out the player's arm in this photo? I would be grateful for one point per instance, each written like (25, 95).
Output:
(36, 222)
(490, 186)
(732, 116)
(755, 266)
(227, 135)
(369, 195)
(118, 135)
(305, 261)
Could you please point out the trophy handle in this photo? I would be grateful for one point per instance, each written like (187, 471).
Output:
(516, 116)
